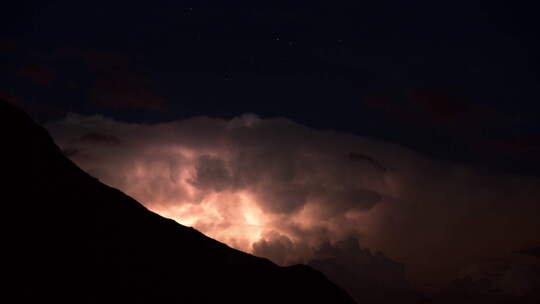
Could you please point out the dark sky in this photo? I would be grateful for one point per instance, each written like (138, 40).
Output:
(455, 80)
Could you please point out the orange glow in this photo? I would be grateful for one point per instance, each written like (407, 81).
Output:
(239, 225)
(283, 191)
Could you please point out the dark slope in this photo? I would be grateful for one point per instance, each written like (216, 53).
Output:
(69, 238)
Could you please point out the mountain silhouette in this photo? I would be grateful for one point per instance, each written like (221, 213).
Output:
(71, 239)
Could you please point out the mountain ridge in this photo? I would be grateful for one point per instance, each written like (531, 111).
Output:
(74, 239)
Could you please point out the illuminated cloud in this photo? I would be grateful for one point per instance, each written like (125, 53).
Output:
(281, 190)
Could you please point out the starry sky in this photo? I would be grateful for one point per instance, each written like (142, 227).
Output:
(408, 125)
(458, 81)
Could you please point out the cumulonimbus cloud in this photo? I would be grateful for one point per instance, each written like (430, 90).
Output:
(282, 190)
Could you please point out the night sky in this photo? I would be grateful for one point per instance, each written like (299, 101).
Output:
(457, 81)
(426, 87)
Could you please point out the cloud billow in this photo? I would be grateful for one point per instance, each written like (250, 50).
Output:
(285, 191)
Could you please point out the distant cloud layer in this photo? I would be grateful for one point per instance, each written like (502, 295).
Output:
(281, 190)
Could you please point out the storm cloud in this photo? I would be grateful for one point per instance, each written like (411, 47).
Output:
(282, 190)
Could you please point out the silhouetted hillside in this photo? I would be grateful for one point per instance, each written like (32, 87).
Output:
(70, 238)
